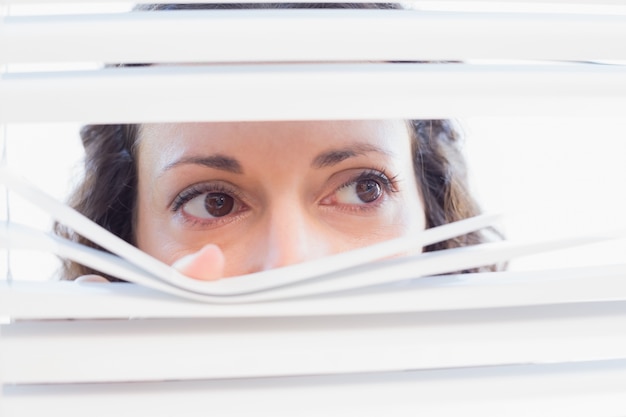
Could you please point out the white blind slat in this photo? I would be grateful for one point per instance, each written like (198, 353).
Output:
(347, 35)
(295, 35)
(66, 300)
(590, 389)
(364, 91)
(576, 390)
(181, 349)
(581, 389)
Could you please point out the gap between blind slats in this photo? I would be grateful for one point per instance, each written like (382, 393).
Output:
(295, 35)
(358, 91)
(575, 390)
(408, 2)
(133, 350)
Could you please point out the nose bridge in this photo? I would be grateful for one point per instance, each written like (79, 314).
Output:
(293, 236)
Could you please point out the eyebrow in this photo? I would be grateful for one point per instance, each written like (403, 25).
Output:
(335, 156)
(221, 162)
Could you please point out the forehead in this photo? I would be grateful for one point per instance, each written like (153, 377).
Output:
(391, 135)
(326, 132)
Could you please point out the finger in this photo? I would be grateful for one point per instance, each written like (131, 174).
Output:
(91, 278)
(207, 264)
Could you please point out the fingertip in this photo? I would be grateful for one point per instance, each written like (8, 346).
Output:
(207, 264)
(91, 278)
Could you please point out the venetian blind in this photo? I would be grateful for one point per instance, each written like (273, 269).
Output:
(546, 342)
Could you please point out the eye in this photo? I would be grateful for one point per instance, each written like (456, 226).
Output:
(208, 202)
(360, 191)
(209, 205)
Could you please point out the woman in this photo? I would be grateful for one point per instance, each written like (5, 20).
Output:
(224, 199)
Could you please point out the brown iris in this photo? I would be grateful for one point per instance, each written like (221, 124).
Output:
(219, 204)
(368, 190)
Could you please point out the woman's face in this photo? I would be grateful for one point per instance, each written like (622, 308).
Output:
(271, 194)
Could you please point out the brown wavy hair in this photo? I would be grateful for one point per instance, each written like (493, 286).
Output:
(108, 192)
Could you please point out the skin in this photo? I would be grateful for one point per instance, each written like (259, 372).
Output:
(297, 190)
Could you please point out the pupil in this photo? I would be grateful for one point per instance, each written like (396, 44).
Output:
(218, 204)
(368, 190)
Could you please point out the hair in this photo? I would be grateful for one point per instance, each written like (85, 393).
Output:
(107, 193)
